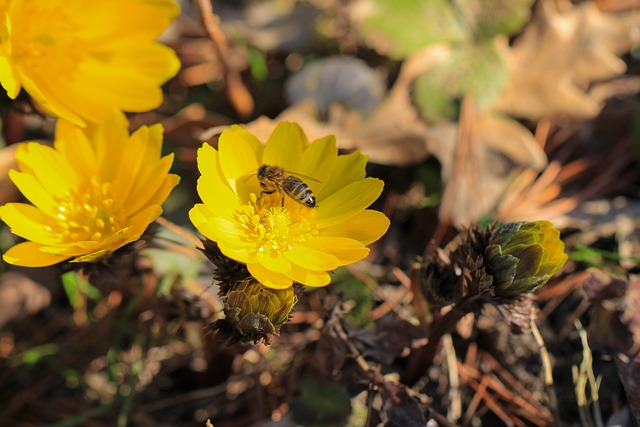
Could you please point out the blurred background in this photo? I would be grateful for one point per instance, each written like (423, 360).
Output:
(472, 112)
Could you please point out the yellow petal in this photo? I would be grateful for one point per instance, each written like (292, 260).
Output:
(115, 22)
(309, 278)
(139, 222)
(151, 184)
(73, 145)
(53, 98)
(237, 253)
(73, 249)
(311, 258)
(28, 222)
(348, 168)
(116, 89)
(110, 139)
(346, 251)
(8, 77)
(150, 63)
(80, 100)
(33, 190)
(238, 153)
(92, 257)
(273, 261)
(199, 214)
(217, 229)
(140, 167)
(318, 161)
(348, 201)
(212, 187)
(269, 278)
(207, 159)
(28, 254)
(366, 227)
(48, 166)
(164, 189)
(285, 146)
(230, 245)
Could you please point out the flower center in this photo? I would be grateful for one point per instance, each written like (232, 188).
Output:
(44, 40)
(88, 214)
(273, 227)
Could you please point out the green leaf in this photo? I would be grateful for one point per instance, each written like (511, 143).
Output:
(257, 64)
(355, 291)
(75, 287)
(433, 93)
(482, 72)
(399, 28)
(35, 354)
(489, 18)
(321, 404)
(472, 69)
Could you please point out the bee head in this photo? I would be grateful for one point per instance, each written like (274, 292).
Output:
(262, 170)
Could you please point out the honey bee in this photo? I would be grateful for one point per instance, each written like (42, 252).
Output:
(274, 178)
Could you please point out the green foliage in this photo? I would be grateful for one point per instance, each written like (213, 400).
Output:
(474, 67)
(76, 287)
(598, 258)
(356, 295)
(471, 69)
(400, 28)
(322, 405)
(490, 18)
(257, 64)
(430, 175)
(35, 354)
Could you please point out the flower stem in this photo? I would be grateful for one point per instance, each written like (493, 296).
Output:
(442, 326)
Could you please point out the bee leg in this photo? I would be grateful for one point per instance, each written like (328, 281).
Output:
(281, 193)
(263, 192)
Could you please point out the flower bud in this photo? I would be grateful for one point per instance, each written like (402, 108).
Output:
(254, 312)
(522, 256)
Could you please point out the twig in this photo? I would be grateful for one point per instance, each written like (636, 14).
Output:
(360, 360)
(180, 231)
(393, 303)
(586, 370)
(236, 91)
(443, 325)
(390, 305)
(520, 401)
(547, 369)
(455, 396)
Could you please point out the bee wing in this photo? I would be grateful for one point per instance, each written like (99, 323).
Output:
(306, 177)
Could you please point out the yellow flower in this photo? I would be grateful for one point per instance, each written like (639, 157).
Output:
(280, 239)
(79, 59)
(92, 193)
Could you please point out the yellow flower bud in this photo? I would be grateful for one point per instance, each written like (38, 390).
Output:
(522, 256)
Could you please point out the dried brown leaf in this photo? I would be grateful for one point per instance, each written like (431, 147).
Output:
(562, 52)
(403, 406)
(616, 321)
(479, 174)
